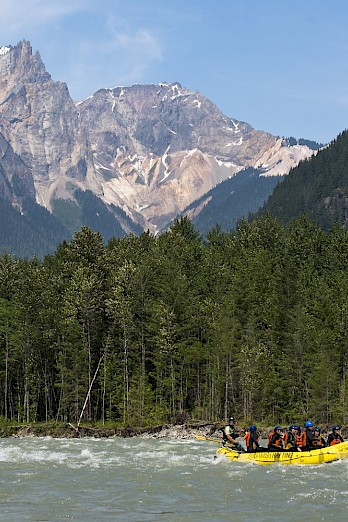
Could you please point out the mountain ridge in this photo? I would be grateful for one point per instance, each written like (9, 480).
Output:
(146, 151)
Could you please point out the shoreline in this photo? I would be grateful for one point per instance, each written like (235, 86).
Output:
(163, 431)
(174, 431)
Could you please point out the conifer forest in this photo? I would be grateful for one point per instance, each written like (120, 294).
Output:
(153, 329)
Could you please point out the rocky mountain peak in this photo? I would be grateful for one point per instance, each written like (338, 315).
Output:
(18, 62)
(158, 147)
(39, 119)
(149, 150)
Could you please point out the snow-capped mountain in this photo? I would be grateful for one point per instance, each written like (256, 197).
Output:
(146, 151)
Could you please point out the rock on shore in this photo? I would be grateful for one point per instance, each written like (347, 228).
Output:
(170, 431)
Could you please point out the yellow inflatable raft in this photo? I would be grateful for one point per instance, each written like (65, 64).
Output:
(318, 456)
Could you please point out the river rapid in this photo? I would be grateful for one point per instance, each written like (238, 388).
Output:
(46, 479)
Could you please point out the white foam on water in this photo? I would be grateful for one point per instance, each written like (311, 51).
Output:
(107, 479)
(219, 458)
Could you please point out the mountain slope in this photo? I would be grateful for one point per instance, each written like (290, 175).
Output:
(317, 187)
(231, 200)
(157, 148)
(32, 232)
(125, 159)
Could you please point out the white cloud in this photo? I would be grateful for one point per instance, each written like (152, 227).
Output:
(18, 16)
(89, 44)
(120, 58)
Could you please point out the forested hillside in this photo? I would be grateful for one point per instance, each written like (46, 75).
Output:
(231, 200)
(318, 186)
(32, 232)
(162, 328)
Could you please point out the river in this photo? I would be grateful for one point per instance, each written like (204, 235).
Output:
(46, 479)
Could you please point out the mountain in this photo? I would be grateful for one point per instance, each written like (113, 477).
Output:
(125, 159)
(16, 181)
(232, 199)
(317, 187)
(157, 148)
(27, 229)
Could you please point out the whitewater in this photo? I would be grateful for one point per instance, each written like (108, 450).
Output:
(135, 479)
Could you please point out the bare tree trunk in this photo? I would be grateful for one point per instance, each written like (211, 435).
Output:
(104, 393)
(6, 377)
(142, 377)
(89, 391)
(125, 375)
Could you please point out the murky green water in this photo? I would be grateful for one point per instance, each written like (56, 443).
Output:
(159, 480)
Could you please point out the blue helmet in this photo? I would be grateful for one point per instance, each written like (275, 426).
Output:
(317, 429)
(336, 428)
(277, 428)
(309, 424)
(253, 428)
(292, 427)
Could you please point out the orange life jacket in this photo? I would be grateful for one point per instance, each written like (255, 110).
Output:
(301, 440)
(278, 442)
(270, 436)
(317, 442)
(335, 441)
(250, 445)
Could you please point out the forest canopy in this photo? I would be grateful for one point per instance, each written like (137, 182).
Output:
(160, 328)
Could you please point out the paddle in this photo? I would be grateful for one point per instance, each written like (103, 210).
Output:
(217, 441)
(211, 439)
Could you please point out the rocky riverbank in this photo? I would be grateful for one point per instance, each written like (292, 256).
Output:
(71, 431)
(169, 431)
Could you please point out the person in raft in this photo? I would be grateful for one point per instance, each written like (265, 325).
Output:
(309, 432)
(275, 439)
(318, 442)
(334, 437)
(230, 435)
(252, 439)
(290, 439)
(295, 439)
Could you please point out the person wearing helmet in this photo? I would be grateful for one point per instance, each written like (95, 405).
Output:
(309, 435)
(275, 439)
(318, 441)
(289, 439)
(252, 439)
(334, 437)
(300, 439)
(230, 435)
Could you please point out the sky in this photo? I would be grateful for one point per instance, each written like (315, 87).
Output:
(279, 65)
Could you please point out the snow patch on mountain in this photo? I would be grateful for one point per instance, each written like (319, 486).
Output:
(278, 160)
(149, 149)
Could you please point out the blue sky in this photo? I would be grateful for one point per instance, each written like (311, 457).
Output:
(280, 65)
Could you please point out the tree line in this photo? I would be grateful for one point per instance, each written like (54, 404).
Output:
(152, 329)
(318, 187)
